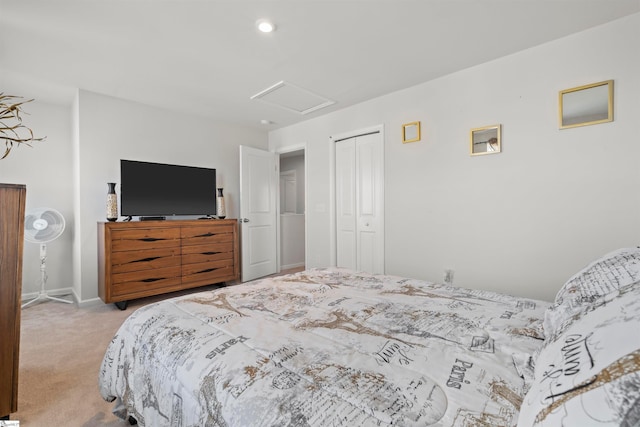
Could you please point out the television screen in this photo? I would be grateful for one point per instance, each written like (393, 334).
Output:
(157, 189)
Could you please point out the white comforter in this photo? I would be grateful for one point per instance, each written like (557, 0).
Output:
(325, 347)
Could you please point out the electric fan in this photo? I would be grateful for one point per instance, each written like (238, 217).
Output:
(42, 226)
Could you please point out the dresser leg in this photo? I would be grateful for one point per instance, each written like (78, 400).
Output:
(122, 305)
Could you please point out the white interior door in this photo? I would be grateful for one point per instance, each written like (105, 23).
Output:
(258, 213)
(360, 203)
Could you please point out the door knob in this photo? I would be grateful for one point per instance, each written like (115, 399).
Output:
(244, 219)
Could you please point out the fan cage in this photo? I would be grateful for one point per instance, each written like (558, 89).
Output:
(51, 219)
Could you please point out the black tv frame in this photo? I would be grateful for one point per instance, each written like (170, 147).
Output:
(155, 191)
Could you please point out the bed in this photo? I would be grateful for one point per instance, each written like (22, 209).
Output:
(332, 347)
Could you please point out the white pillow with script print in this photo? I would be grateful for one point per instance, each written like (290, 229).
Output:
(607, 274)
(589, 374)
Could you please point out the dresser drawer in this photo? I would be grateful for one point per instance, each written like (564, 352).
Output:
(126, 261)
(144, 239)
(139, 282)
(213, 233)
(193, 254)
(209, 272)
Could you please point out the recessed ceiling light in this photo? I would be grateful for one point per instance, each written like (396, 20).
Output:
(266, 122)
(265, 26)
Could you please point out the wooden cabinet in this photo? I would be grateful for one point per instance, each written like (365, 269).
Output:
(12, 202)
(144, 258)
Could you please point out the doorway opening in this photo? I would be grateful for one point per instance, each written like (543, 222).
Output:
(292, 211)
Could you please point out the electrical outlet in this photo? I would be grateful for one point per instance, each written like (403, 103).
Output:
(448, 277)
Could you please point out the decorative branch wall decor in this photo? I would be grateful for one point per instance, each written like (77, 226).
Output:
(12, 131)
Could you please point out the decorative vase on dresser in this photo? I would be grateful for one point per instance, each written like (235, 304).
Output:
(112, 202)
(221, 210)
(12, 205)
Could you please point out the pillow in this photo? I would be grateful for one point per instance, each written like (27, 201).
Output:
(589, 373)
(613, 271)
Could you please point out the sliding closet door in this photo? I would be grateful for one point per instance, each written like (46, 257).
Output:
(369, 197)
(346, 217)
(360, 203)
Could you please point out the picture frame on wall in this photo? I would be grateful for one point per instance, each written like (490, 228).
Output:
(411, 132)
(586, 105)
(486, 140)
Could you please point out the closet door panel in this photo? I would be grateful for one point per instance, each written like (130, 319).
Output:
(346, 204)
(369, 193)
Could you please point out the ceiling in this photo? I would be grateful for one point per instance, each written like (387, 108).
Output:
(207, 58)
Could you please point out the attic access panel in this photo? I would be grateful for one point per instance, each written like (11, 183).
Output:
(292, 98)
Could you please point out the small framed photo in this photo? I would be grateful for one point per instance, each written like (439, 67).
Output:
(486, 140)
(411, 132)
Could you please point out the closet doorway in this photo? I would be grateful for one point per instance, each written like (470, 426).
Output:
(358, 214)
(292, 208)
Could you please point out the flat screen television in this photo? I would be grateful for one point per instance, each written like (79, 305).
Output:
(160, 190)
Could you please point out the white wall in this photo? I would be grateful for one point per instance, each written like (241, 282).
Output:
(521, 221)
(292, 241)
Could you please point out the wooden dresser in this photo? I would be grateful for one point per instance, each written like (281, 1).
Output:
(143, 258)
(12, 202)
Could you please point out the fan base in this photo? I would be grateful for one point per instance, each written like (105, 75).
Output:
(45, 297)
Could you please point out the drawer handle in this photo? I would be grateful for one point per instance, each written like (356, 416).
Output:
(209, 234)
(209, 270)
(151, 239)
(210, 253)
(155, 279)
(147, 259)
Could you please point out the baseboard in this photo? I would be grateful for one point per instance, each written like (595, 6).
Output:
(288, 266)
(89, 302)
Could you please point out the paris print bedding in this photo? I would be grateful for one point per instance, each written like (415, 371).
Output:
(326, 347)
